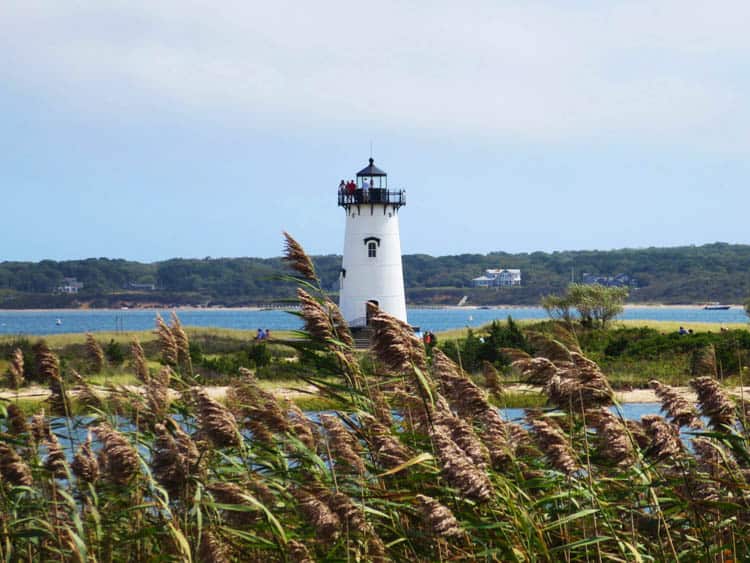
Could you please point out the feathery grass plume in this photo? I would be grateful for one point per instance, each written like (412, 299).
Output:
(344, 446)
(16, 420)
(12, 467)
(211, 549)
(316, 511)
(536, 371)
(316, 317)
(394, 341)
(167, 342)
(462, 393)
(58, 400)
(514, 354)
(565, 335)
(458, 469)
(40, 429)
(15, 369)
(491, 378)
(157, 395)
(664, 437)
(494, 435)
(85, 465)
(117, 457)
(713, 402)
(520, 440)
(298, 553)
(347, 512)
(55, 462)
(232, 494)
(547, 347)
(438, 518)
(298, 259)
(84, 393)
(555, 446)
(94, 353)
(614, 441)
(216, 421)
(638, 432)
(465, 438)
(703, 362)
(183, 344)
(583, 385)
(380, 407)
(341, 327)
(302, 427)
(174, 457)
(678, 409)
(387, 450)
(140, 365)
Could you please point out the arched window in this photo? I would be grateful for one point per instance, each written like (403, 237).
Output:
(372, 250)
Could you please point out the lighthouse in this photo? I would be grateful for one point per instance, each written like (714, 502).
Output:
(371, 270)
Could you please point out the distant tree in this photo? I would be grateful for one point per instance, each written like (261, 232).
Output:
(747, 307)
(596, 304)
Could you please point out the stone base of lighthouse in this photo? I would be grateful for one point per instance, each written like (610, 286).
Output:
(371, 270)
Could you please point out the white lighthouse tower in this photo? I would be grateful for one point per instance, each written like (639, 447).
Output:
(371, 270)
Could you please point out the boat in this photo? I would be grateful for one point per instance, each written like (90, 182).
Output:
(58, 322)
(715, 307)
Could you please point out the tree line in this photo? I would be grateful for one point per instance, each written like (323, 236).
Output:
(712, 272)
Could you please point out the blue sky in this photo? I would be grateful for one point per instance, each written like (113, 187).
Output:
(150, 130)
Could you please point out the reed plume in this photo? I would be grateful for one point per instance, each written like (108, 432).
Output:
(664, 437)
(458, 469)
(182, 344)
(555, 446)
(84, 393)
(550, 348)
(302, 427)
(49, 367)
(15, 369)
(157, 395)
(315, 510)
(703, 362)
(211, 549)
(232, 494)
(12, 467)
(394, 342)
(494, 435)
(298, 553)
(140, 364)
(216, 422)
(713, 402)
(174, 458)
(677, 408)
(298, 259)
(85, 465)
(536, 371)
(614, 440)
(16, 420)
(315, 316)
(437, 518)
(94, 353)
(117, 457)
(167, 342)
(344, 447)
(462, 393)
(40, 429)
(55, 462)
(387, 450)
(584, 385)
(491, 378)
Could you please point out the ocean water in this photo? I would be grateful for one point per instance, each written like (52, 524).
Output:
(97, 320)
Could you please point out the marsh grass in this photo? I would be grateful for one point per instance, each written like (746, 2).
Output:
(167, 473)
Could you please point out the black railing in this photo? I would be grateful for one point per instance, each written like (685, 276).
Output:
(373, 195)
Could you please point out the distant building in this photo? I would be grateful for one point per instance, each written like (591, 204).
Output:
(70, 285)
(498, 278)
(142, 286)
(620, 280)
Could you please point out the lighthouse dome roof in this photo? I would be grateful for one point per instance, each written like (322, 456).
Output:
(371, 170)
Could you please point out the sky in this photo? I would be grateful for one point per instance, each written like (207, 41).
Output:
(149, 130)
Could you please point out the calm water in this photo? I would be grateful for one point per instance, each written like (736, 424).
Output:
(76, 321)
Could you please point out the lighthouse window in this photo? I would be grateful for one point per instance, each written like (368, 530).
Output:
(371, 250)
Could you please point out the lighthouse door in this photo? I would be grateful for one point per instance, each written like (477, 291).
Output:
(370, 310)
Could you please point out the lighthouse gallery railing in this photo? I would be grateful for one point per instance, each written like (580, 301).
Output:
(373, 195)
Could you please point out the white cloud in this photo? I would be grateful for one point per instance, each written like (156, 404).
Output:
(664, 72)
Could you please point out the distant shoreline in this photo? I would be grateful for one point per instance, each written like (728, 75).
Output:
(294, 306)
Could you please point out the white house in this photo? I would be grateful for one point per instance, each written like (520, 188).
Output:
(498, 278)
(70, 285)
